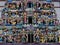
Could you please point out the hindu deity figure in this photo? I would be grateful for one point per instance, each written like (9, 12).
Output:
(37, 36)
(24, 36)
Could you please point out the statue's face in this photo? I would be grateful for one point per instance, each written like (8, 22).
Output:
(44, 5)
(37, 30)
(39, 19)
(8, 20)
(16, 12)
(24, 13)
(23, 30)
(48, 5)
(18, 21)
(13, 6)
(10, 5)
(10, 36)
(34, 13)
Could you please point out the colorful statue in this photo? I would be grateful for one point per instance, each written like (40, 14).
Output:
(35, 18)
(13, 21)
(37, 36)
(1, 21)
(42, 38)
(10, 39)
(24, 36)
(1, 39)
(25, 17)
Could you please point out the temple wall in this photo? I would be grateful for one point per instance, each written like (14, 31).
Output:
(2, 3)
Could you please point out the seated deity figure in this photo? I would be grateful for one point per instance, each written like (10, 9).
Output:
(17, 14)
(39, 21)
(8, 23)
(42, 38)
(51, 22)
(4, 29)
(51, 38)
(13, 21)
(45, 7)
(14, 6)
(18, 38)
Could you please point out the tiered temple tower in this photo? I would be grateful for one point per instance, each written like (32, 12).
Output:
(29, 21)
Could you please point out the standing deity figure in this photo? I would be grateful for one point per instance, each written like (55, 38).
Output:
(35, 17)
(42, 38)
(37, 36)
(24, 36)
(10, 39)
(25, 18)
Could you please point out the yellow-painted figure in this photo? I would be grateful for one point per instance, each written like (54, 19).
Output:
(42, 39)
(13, 21)
(35, 17)
(1, 21)
(51, 38)
(59, 38)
